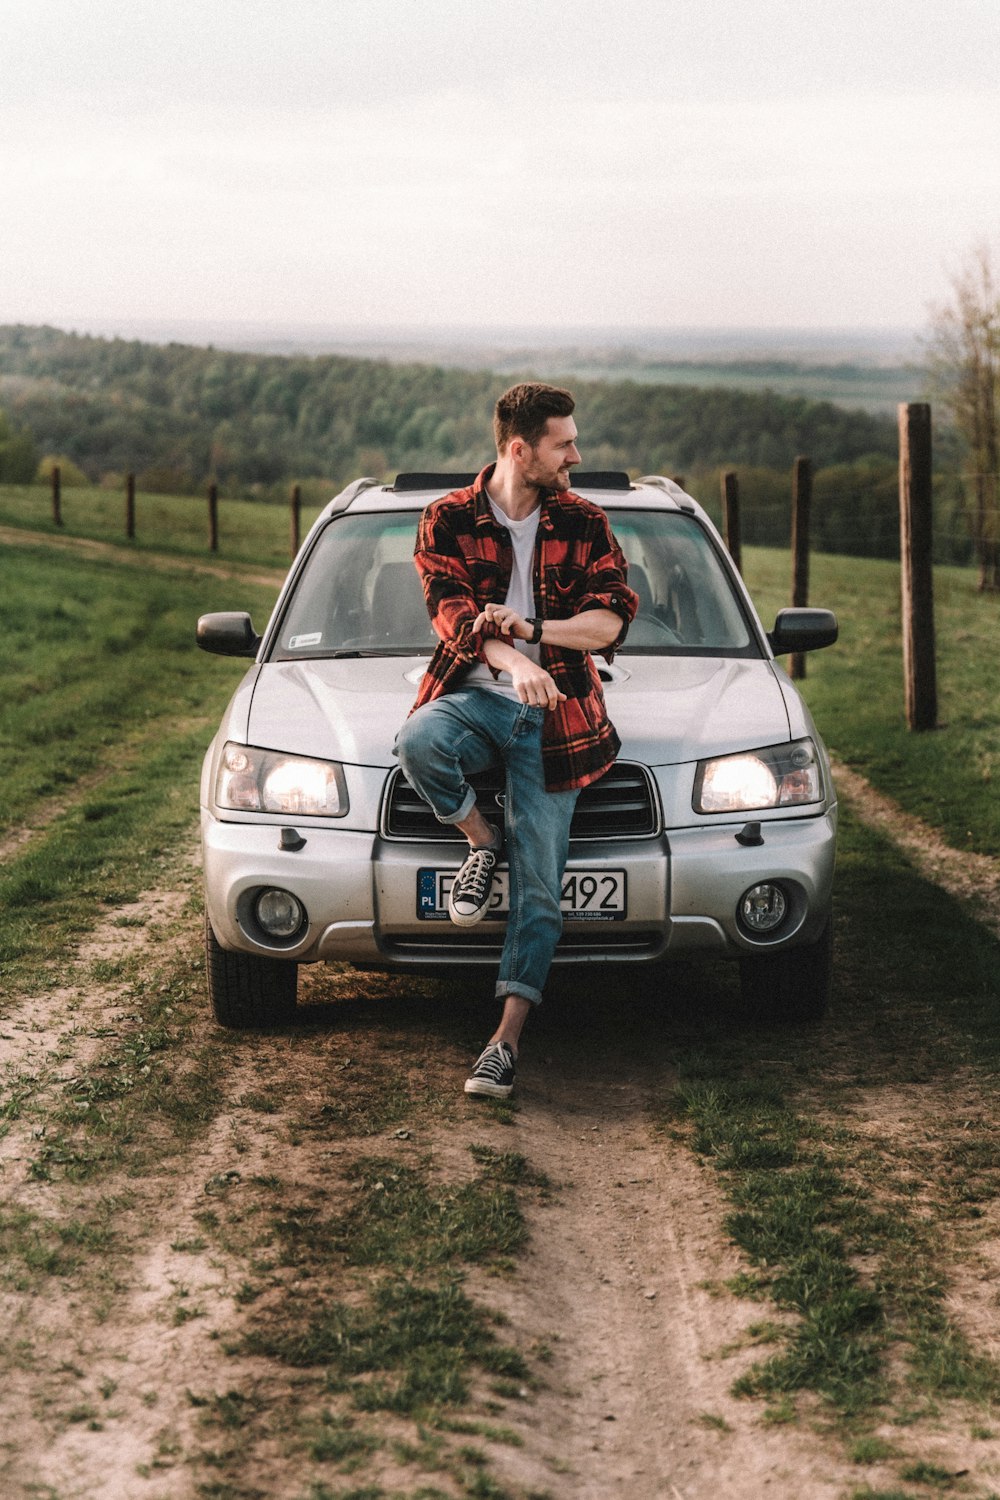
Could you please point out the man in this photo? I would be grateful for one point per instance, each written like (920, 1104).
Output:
(523, 580)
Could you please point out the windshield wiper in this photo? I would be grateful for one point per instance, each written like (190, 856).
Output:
(354, 651)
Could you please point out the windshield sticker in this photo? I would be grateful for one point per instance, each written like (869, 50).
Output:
(297, 642)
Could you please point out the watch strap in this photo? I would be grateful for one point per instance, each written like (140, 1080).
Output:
(536, 630)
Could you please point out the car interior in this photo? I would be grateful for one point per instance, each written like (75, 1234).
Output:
(360, 590)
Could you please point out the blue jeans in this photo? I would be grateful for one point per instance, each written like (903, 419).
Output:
(472, 729)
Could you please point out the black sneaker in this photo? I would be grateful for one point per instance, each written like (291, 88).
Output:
(493, 1074)
(470, 893)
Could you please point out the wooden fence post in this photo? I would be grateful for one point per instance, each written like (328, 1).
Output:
(916, 556)
(130, 506)
(801, 503)
(296, 518)
(731, 516)
(213, 518)
(56, 495)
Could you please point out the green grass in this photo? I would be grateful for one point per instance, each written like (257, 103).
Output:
(799, 1221)
(407, 1340)
(871, 1450)
(143, 1098)
(418, 1342)
(851, 1236)
(33, 1248)
(418, 1332)
(249, 531)
(947, 776)
(107, 709)
(398, 1219)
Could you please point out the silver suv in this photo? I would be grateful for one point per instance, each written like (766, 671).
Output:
(713, 834)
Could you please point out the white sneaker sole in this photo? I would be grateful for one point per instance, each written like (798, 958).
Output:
(464, 919)
(492, 1090)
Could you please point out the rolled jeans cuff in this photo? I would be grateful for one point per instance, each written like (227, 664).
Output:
(507, 987)
(468, 803)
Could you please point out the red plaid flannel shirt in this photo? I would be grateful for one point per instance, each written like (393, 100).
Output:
(465, 561)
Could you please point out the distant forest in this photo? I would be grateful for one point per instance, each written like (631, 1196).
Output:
(180, 416)
(248, 420)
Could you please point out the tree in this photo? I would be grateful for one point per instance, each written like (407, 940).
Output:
(964, 361)
(18, 454)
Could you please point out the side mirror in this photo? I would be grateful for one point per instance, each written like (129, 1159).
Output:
(229, 633)
(803, 630)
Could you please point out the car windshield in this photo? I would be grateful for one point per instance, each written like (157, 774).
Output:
(359, 591)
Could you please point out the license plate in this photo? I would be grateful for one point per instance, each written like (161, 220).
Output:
(587, 895)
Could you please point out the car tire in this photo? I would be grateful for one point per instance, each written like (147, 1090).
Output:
(247, 992)
(792, 986)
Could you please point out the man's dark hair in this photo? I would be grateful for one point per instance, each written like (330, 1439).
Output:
(524, 411)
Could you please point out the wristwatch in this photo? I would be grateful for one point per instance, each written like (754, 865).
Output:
(536, 630)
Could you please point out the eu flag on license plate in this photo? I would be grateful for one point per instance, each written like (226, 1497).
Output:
(427, 891)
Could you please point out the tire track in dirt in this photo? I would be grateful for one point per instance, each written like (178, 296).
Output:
(161, 1352)
(46, 1036)
(38, 818)
(623, 1282)
(972, 878)
(14, 536)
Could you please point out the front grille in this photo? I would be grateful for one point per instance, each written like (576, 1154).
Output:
(620, 805)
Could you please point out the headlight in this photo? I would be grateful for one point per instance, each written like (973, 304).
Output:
(780, 776)
(252, 780)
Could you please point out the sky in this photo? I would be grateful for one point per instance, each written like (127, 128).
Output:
(434, 164)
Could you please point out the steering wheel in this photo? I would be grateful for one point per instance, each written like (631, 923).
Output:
(661, 632)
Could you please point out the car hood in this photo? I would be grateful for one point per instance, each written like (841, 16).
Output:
(665, 709)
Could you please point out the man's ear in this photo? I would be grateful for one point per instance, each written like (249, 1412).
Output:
(517, 449)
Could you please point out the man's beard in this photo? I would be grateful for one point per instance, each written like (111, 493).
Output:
(559, 480)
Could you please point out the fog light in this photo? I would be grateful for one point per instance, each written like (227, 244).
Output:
(279, 913)
(762, 908)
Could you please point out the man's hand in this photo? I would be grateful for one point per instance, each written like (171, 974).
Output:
(507, 621)
(533, 684)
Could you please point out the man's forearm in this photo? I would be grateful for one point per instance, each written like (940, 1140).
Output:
(499, 653)
(594, 630)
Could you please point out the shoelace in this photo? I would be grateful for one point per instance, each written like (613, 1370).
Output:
(476, 873)
(493, 1063)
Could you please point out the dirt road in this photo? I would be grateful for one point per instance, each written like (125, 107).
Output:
(140, 1248)
(618, 1287)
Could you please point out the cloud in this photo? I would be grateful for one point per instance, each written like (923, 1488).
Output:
(392, 161)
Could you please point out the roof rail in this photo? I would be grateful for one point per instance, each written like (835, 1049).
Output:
(353, 490)
(433, 481)
(585, 479)
(671, 488)
(600, 479)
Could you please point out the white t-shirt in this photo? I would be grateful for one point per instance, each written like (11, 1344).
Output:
(520, 597)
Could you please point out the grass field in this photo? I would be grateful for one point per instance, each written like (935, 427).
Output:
(871, 388)
(249, 532)
(106, 711)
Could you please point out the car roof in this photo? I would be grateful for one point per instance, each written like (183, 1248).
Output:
(608, 489)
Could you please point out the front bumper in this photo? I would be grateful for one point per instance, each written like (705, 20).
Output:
(360, 893)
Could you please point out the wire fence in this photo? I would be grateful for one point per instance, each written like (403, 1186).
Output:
(864, 521)
(860, 519)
